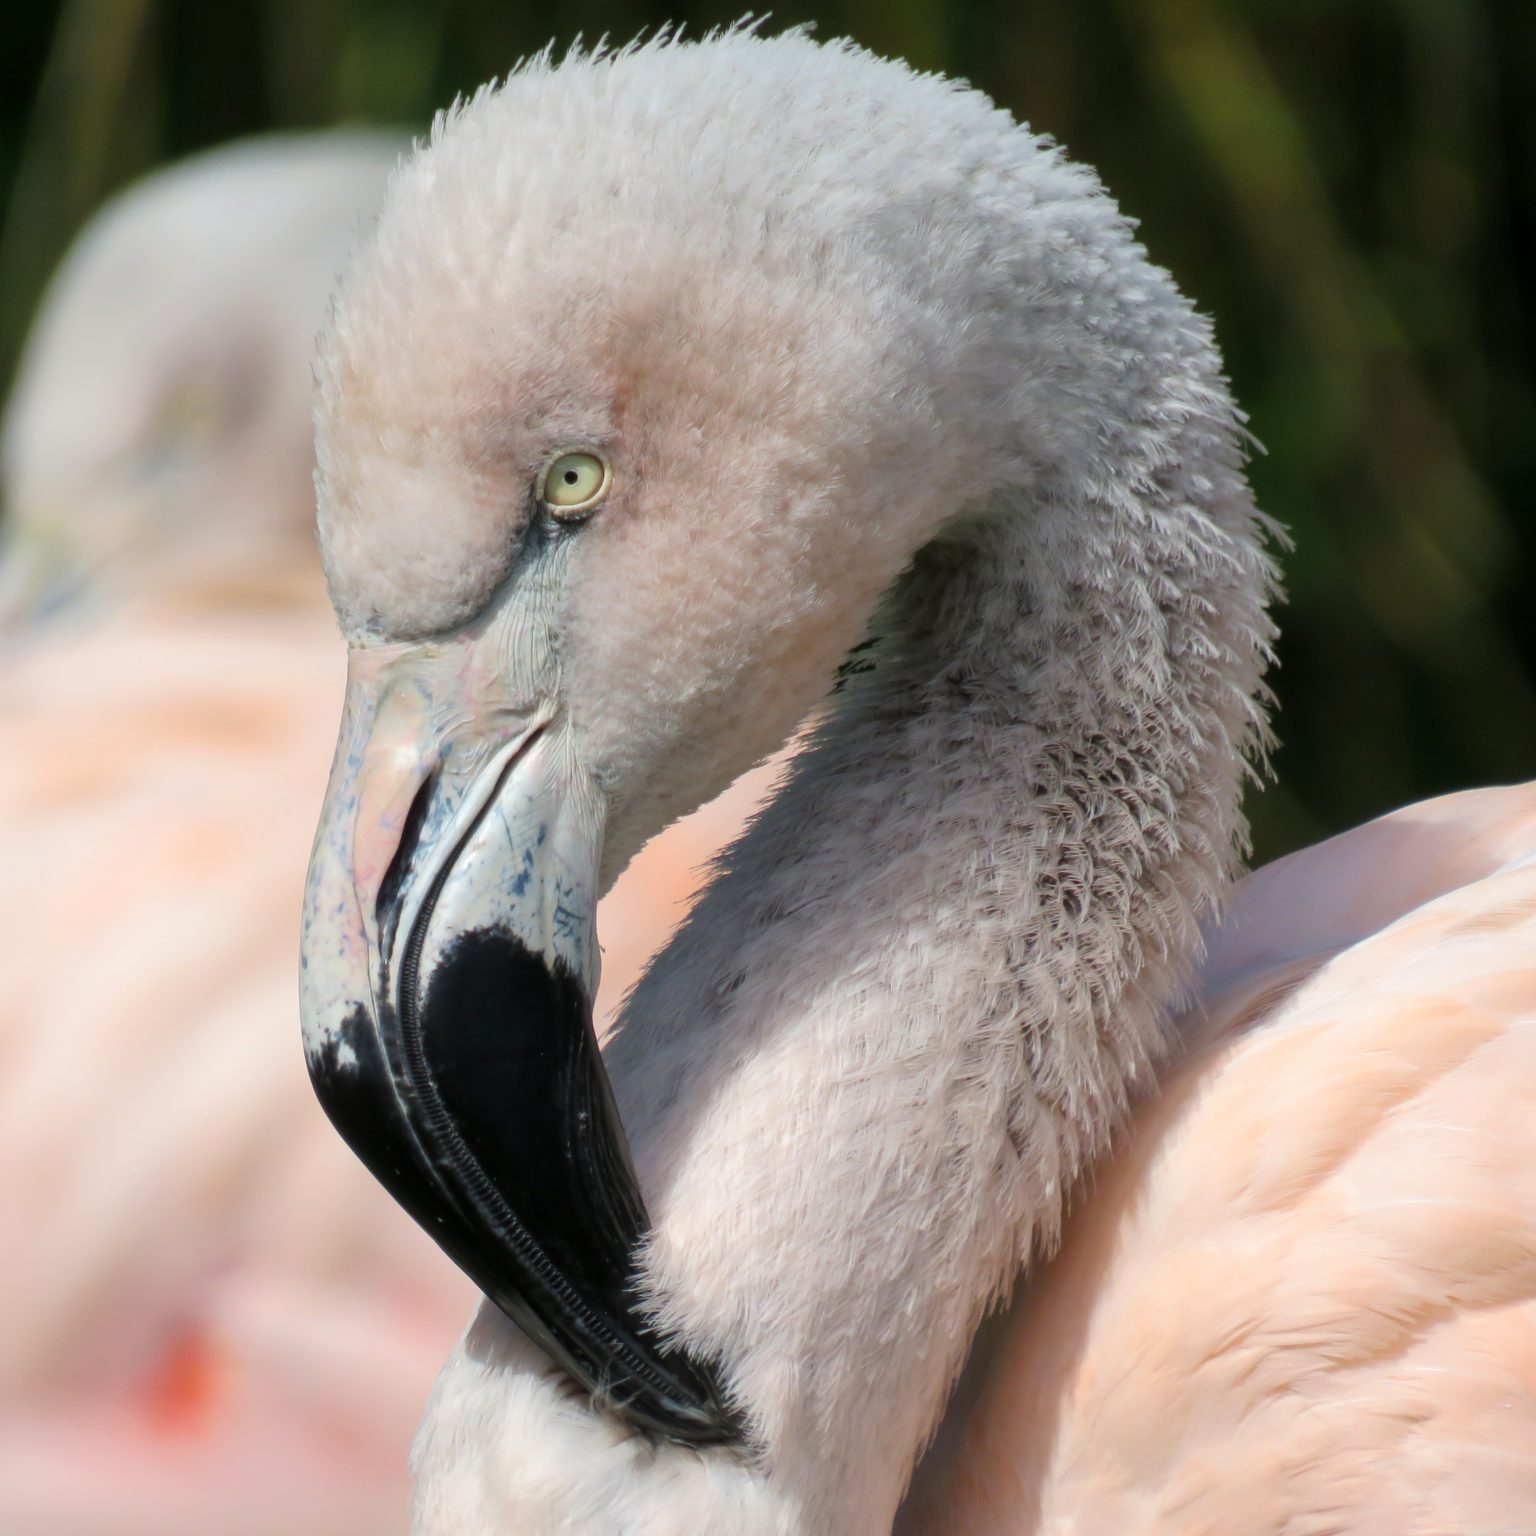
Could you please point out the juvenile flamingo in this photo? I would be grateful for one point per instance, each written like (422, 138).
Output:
(685, 392)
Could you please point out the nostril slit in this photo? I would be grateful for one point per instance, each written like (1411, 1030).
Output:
(385, 908)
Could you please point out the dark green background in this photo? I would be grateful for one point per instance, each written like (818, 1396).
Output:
(1347, 185)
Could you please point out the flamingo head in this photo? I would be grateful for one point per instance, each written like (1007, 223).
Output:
(660, 369)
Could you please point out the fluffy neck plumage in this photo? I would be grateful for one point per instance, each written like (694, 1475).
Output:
(927, 982)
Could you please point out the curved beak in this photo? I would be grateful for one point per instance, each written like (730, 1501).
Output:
(449, 966)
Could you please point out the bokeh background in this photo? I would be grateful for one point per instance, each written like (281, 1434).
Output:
(1348, 186)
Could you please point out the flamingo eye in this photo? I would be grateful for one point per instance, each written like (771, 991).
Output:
(573, 484)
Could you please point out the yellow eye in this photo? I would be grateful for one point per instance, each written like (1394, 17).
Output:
(574, 483)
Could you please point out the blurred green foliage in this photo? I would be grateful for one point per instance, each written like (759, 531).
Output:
(1346, 185)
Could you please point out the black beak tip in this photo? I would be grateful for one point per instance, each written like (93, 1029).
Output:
(483, 1108)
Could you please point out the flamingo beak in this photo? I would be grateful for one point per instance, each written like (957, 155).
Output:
(449, 965)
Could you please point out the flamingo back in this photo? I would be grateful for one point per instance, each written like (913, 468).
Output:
(1302, 1297)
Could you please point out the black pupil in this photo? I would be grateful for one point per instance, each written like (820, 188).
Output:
(570, 477)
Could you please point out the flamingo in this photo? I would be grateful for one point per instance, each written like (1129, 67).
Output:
(697, 393)
(203, 1286)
